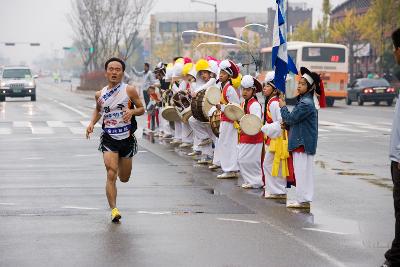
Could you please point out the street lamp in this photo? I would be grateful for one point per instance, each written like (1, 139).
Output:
(215, 10)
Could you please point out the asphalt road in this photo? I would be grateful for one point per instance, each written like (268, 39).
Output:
(53, 209)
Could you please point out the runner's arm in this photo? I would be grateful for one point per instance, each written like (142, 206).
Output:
(134, 96)
(95, 116)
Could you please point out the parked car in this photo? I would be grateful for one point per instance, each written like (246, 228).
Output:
(17, 82)
(370, 90)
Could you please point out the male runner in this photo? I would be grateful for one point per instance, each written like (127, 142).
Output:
(118, 143)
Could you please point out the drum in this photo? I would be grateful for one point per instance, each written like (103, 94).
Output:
(200, 106)
(233, 111)
(215, 121)
(213, 95)
(250, 124)
(168, 111)
(182, 103)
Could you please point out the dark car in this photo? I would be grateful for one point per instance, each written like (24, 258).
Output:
(370, 90)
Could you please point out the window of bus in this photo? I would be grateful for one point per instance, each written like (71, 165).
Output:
(324, 54)
(267, 59)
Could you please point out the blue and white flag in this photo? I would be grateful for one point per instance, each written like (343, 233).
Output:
(281, 62)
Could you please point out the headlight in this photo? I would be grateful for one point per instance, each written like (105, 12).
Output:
(30, 84)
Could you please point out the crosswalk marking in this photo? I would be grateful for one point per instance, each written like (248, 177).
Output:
(22, 124)
(5, 131)
(42, 130)
(79, 127)
(86, 123)
(56, 124)
(77, 130)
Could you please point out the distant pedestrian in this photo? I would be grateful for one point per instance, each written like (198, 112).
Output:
(393, 254)
(149, 80)
(118, 143)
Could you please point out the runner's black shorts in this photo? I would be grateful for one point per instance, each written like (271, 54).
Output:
(126, 148)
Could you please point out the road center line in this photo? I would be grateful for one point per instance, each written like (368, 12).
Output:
(325, 231)
(237, 220)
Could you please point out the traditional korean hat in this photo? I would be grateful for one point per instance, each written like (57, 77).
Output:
(313, 78)
(229, 67)
(249, 81)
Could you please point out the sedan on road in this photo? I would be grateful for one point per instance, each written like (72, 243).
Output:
(370, 90)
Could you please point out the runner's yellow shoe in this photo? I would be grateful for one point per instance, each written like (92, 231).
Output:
(115, 215)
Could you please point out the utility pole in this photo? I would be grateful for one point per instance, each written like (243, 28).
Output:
(215, 11)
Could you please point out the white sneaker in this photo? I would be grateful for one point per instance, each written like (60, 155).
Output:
(184, 145)
(194, 153)
(214, 167)
(205, 161)
(205, 142)
(227, 175)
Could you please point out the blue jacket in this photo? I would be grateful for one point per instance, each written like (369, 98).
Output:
(303, 123)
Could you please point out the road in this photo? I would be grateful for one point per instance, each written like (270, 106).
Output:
(54, 212)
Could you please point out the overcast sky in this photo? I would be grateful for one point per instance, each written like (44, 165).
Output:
(45, 21)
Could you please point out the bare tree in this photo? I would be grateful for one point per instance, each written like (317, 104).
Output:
(105, 28)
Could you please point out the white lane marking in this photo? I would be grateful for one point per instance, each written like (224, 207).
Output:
(72, 109)
(77, 130)
(5, 131)
(322, 130)
(86, 123)
(325, 231)
(329, 123)
(79, 208)
(7, 204)
(22, 124)
(155, 212)
(33, 158)
(86, 155)
(368, 126)
(313, 249)
(143, 151)
(42, 130)
(56, 124)
(237, 220)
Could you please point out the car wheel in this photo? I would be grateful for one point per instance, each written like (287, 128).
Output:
(330, 102)
(33, 98)
(376, 103)
(360, 102)
(390, 102)
(2, 98)
(348, 101)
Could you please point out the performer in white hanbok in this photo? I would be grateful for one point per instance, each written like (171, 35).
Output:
(303, 135)
(175, 86)
(185, 85)
(250, 146)
(228, 136)
(275, 183)
(163, 85)
(202, 131)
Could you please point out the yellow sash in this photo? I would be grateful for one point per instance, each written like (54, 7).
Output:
(279, 146)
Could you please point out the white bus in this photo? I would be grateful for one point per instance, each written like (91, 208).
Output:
(329, 60)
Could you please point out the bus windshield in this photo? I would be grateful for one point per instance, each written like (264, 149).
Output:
(324, 54)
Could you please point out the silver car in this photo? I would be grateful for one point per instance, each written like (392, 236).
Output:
(17, 82)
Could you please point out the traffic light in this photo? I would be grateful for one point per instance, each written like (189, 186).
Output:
(35, 44)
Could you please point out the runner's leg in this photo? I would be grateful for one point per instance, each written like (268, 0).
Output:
(124, 169)
(111, 163)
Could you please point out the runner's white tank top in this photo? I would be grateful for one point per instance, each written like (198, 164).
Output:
(113, 103)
